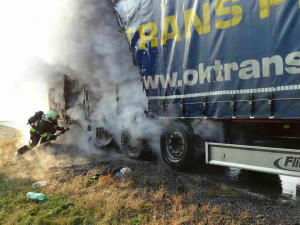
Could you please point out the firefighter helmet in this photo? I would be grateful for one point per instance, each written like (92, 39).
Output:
(51, 115)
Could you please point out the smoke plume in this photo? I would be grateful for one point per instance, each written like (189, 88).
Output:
(82, 40)
(87, 45)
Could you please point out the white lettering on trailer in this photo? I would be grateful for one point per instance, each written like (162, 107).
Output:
(204, 74)
(250, 69)
(218, 68)
(278, 63)
(228, 68)
(293, 60)
(190, 77)
(247, 70)
(148, 81)
(169, 80)
(229, 92)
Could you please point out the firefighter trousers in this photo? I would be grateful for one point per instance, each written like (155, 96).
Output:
(34, 140)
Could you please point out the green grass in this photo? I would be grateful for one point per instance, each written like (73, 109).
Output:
(60, 208)
(55, 208)
(15, 207)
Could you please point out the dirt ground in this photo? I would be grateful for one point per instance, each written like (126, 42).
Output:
(151, 194)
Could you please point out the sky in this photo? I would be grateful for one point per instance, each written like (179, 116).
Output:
(23, 31)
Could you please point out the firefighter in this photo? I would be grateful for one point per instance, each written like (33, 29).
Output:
(43, 129)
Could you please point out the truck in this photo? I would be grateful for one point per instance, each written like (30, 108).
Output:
(223, 76)
(233, 63)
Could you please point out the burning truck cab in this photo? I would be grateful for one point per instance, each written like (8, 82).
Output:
(71, 92)
(75, 94)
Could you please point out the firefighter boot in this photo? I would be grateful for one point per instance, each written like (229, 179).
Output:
(22, 150)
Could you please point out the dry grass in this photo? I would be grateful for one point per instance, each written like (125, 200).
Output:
(113, 201)
(109, 201)
(160, 194)
(9, 139)
(245, 215)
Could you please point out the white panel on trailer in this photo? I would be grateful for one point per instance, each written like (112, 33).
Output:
(262, 159)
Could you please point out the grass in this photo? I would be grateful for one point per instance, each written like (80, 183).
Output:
(133, 200)
(108, 201)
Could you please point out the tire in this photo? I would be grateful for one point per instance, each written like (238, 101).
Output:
(176, 145)
(103, 138)
(133, 148)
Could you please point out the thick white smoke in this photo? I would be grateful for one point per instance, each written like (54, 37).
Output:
(82, 40)
(87, 45)
(23, 88)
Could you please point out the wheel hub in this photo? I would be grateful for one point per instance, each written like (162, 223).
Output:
(175, 146)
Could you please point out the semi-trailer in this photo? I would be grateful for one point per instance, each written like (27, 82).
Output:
(222, 75)
(233, 63)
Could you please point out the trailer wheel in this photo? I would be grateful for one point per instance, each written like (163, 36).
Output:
(132, 147)
(175, 149)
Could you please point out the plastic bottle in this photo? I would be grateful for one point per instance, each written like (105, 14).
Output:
(118, 174)
(33, 195)
(124, 170)
(39, 184)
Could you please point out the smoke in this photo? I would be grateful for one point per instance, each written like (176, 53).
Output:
(87, 45)
(80, 39)
(210, 131)
(23, 87)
